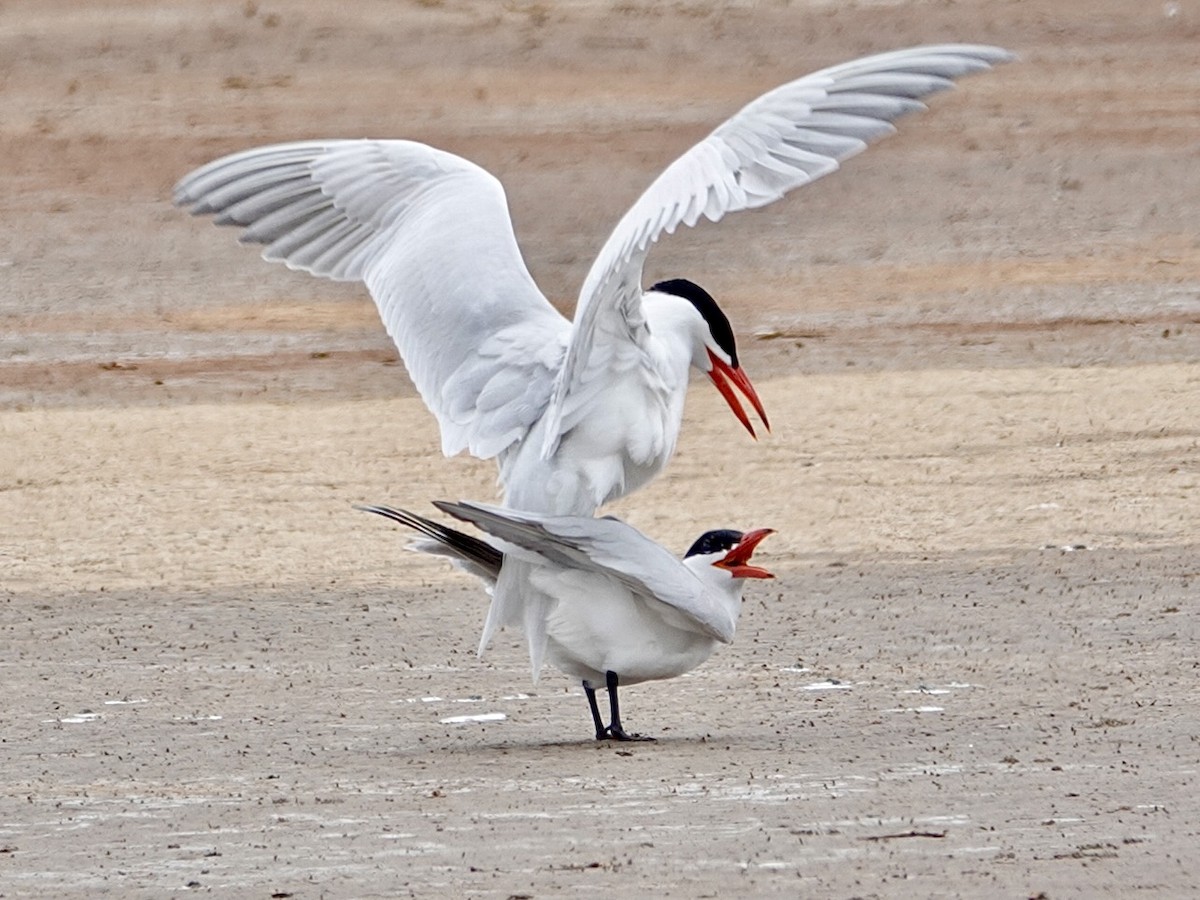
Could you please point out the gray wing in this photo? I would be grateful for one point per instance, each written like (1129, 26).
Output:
(785, 139)
(607, 546)
(470, 554)
(430, 235)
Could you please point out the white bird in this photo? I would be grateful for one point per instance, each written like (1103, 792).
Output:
(623, 610)
(576, 413)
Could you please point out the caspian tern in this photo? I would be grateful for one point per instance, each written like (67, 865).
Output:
(576, 413)
(623, 610)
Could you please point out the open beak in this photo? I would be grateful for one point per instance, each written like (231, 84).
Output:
(722, 375)
(736, 560)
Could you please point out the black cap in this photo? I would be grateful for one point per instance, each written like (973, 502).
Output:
(720, 541)
(718, 323)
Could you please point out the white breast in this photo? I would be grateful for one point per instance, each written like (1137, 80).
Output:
(625, 439)
(597, 626)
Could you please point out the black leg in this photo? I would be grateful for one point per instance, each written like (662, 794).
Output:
(601, 731)
(615, 731)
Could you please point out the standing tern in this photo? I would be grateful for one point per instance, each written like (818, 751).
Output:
(575, 413)
(623, 610)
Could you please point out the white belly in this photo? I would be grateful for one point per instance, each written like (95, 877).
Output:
(599, 626)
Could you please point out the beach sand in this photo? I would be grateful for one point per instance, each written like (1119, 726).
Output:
(976, 672)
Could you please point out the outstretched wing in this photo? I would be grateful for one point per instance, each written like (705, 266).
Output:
(430, 235)
(785, 139)
(607, 546)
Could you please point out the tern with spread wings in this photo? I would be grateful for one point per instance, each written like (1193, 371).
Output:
(576, 413)
(623, 610)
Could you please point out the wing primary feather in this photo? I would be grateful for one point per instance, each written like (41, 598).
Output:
(469, 548)
(237, 209)
(894, 84)
(511, 526)
(281, 224)
(200, 183)
(248, 198)
(874, 106)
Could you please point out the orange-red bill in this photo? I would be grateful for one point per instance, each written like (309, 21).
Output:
(722, 374)
(736, 560)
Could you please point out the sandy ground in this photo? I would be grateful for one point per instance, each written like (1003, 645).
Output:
(976, 674)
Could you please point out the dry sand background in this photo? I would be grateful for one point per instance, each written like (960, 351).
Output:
(978, 343)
